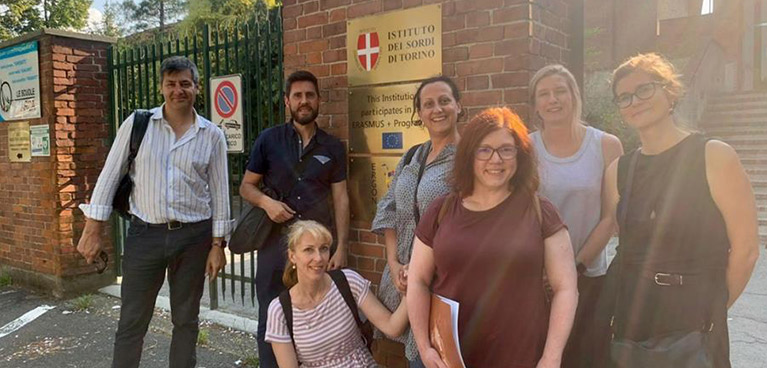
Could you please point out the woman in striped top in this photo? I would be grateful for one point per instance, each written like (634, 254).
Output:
(324, 329)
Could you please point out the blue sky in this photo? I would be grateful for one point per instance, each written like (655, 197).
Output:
(98, 4)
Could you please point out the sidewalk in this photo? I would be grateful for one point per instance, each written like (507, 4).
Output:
(235, 310)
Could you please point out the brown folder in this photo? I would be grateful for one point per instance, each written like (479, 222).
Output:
(443, 330)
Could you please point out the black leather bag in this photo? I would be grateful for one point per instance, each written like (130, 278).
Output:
(253, 227)
(686, 349)
(677, 350)
(121, 200)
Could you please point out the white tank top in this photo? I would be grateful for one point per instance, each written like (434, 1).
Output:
(574, 185)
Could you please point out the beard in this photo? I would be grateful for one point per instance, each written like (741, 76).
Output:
(307, 119)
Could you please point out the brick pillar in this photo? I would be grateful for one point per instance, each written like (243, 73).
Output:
(39, 220)
(490, 48)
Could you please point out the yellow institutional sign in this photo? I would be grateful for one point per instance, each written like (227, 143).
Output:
(19, 148)
(369, 179)
(399, 46)
(380, 119)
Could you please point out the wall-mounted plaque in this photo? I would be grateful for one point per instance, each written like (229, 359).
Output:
(18, 142)
(369, 179)
(399, 46)
(381, 119)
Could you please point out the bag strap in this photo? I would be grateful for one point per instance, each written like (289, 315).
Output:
(622, 225)
(287, 310)
(342, 284)
(138, 130)
(449, 200)
(537, 208)
(408, 158)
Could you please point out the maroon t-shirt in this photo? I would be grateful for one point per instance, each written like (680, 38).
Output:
(491, 262)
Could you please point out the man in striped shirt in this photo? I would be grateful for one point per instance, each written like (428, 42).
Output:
(179, 210)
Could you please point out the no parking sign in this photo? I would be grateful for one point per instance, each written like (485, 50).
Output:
(226, 98)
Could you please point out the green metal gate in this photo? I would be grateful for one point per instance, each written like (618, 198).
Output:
(254, 50)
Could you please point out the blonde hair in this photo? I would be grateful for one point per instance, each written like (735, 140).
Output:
(659, 69)
(560, 70)
(295, 232)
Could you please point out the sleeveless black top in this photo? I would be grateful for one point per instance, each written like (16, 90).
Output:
(673, 226)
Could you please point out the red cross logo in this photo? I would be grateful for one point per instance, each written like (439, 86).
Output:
(367, 50)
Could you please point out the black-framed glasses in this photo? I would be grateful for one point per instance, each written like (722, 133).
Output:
(643, 92)
(484, 153)
(101, 262)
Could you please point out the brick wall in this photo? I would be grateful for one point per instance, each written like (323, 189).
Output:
(39, 221)
(490, 48)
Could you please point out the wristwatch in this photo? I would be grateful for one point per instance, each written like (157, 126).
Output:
(221, 244)
(581, 268)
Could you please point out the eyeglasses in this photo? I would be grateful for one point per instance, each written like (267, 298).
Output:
(643, 92)
(102, 261)
(484, 153)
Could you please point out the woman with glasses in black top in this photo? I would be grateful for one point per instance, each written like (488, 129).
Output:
(688, 227)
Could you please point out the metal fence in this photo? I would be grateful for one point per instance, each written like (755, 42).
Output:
(252, 49)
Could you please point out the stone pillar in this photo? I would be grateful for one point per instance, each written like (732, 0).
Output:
(491, 48)
(39, 221)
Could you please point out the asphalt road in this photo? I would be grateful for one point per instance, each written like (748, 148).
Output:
(67, 337)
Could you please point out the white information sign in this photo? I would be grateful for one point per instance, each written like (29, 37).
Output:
(40, 140)
(227, 111)
(19, 82)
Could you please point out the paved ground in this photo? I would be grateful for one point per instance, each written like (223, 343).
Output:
(748, 321)
(64, 337)
(67, 337)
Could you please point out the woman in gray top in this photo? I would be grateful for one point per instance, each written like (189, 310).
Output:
(415, 184)
(572, 158)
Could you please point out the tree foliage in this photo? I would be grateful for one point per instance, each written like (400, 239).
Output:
(21, 16)
(224, 13)
(151, 14)
(71, 14)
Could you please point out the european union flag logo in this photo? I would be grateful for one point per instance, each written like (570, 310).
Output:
(392, 140)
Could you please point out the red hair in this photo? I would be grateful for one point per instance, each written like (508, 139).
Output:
(486, 122)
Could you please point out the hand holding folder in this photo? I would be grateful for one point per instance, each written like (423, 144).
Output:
(443, 330)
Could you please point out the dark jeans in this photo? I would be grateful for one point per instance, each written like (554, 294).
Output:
(270, 264)
(149, 252)
(417, 363)
(582, 349)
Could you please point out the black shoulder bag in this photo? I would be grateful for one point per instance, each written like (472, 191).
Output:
(421, 168)
(338, 277)
(680, 349)
(121, 200)
(254, 225)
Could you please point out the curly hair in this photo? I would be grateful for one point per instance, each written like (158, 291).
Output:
(655, 65)
(488, 121)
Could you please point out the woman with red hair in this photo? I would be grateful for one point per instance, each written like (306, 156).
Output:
(486, 245)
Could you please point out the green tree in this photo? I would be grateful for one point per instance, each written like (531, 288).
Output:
(109, 21)
(151, 14)
(72, 14)
(17, 17)
(21, 16)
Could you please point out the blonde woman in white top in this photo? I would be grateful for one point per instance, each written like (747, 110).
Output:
(572, 158)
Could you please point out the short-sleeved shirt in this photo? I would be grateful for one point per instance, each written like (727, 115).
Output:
(491, 263)
(326, 335)
(395, 211)
(277, 152)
